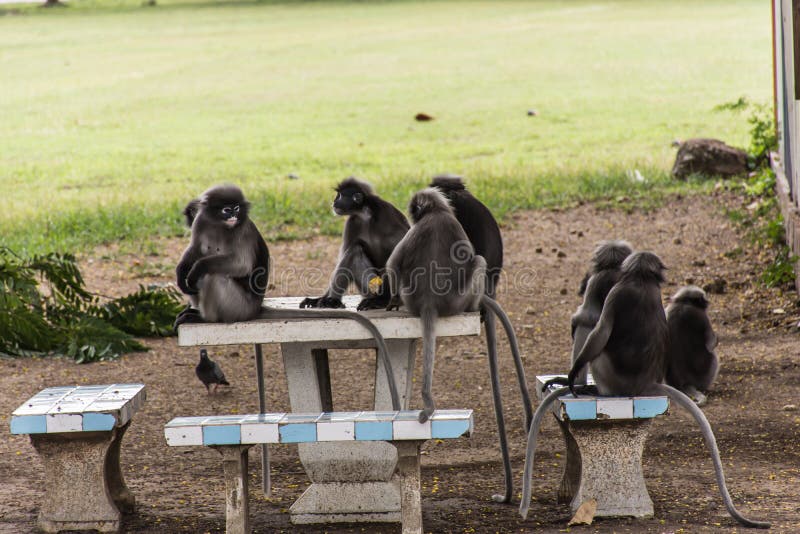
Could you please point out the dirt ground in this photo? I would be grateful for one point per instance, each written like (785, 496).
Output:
(752, 407)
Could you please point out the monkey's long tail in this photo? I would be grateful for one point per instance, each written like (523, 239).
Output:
(512, 341)
(533, 435)
(428, 318)
(383, 351)
(708, 435)
(491, 349)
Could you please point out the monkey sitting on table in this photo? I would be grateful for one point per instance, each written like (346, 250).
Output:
(372, 230)
(692, 364)
(626, 351)
(225, 271)
(434, 272)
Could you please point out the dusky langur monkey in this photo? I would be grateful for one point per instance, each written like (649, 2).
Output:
(372, 230)
(225, 271)
(484, 233)
(692, 364)
(626, 351)
(604, 272)
(478, 223)
(435, 272)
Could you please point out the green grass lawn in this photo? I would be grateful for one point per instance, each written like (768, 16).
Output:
(112, 116)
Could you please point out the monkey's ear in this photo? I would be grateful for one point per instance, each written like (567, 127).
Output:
(358, 198)
(191, 210)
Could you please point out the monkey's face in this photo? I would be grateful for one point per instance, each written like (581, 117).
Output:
(348, 201)
(225, 204)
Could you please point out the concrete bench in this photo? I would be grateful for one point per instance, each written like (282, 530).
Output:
(605, 439)
(77, 432)
(233, 435)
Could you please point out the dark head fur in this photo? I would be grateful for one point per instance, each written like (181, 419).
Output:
(354, 183)
(220, 197)
(352, 196)
(644, 266)
(428, 201)
(610, 254)
(448, 182)
(692, 295)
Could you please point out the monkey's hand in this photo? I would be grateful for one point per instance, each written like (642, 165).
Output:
(322, 302)
(573, 374)
(192, 279)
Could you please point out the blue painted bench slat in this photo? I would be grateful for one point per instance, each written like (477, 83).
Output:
(78, 409)
(310, 428)
(590, 408)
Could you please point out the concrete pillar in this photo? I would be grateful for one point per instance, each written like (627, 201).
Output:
(237, 506)
(611, 467)
(77, 494)
(351, 482)
(410, 491)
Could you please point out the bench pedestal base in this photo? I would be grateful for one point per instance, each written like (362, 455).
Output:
(350, 482)
(604, 462)
(84, 487)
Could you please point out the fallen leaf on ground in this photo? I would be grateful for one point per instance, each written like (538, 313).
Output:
(585, 513)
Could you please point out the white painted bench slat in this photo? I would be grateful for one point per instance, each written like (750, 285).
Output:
(78, 409)
(316, 427)
(590, 408)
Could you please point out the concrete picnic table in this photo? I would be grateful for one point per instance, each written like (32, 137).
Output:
(350, 482)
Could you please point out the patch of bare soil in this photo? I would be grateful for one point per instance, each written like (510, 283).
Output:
(181, 490)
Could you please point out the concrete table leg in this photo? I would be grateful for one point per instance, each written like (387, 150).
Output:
(410, 497)
(571, 477)
(120, 494)
(77, 494)
(611, 467)
(351, 482)
(237, 506)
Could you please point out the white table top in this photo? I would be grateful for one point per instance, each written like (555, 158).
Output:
(392, 325)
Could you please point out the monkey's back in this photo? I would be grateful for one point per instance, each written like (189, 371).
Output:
(437, 265)
(598, 287)
(481, 228)
(689, 359)
(638, 342)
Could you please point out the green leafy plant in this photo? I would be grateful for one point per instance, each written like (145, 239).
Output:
(763, 136)
(45, 308)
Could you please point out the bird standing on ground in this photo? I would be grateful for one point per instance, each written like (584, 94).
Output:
(209, 372)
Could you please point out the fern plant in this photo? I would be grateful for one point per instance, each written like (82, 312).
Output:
(45, 308)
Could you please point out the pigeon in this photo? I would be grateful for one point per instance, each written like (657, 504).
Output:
(209, 372)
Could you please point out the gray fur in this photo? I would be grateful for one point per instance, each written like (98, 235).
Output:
(435, 272)
(604, 273)
(626, 352)
(692, 364)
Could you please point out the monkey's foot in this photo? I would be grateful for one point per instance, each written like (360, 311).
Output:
(373, 302)
(321, 302)
(698, 397)
(425, 414)
(557, 381)
(583, 389)
(189, 315)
